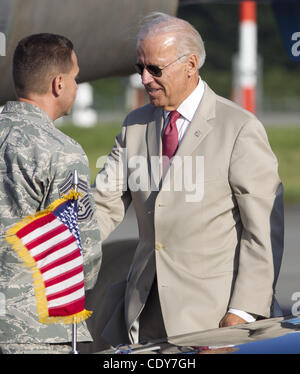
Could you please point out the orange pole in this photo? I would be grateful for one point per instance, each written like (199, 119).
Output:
(248, 54)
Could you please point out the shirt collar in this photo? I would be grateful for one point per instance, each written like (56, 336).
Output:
(189, 106)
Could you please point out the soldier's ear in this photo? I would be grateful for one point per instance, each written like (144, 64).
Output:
(57, 85)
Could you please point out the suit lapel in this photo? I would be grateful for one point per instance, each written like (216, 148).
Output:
(154, 145)
(197, 131)
(199, 127)
(154, 133)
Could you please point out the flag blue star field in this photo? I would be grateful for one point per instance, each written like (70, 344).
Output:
(67, 213)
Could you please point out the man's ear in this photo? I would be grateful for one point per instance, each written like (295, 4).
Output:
(192, 64)
(57, 85)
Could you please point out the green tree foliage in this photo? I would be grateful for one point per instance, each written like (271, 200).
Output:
(218, 23)
(219, 26)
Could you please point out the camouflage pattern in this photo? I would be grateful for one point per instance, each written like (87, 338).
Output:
(36, 161)
(36, 348)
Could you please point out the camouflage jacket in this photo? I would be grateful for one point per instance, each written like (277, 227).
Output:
(37, 162)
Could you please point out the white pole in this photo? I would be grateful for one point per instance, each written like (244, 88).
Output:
(74, 325)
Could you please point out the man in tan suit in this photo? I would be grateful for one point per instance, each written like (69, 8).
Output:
(204, 184)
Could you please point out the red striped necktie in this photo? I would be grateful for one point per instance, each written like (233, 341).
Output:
(170, 137)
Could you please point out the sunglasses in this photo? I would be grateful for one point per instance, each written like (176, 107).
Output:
(154, 70)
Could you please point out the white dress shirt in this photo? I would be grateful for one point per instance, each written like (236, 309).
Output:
(187, 110)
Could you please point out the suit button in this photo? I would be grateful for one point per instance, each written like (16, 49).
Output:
(158, 246)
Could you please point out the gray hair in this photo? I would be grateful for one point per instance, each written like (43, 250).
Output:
(188, 39)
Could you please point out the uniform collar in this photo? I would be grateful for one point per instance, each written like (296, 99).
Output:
(20, 107)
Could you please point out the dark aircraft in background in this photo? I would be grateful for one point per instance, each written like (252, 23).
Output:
(103, 32)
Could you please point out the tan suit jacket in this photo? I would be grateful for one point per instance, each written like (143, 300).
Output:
(222, 250)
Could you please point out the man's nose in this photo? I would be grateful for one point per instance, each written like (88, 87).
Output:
(146, 77)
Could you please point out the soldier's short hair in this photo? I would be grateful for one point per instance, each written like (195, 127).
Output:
(38, 59)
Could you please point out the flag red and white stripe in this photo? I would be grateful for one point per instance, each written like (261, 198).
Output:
(47, 242)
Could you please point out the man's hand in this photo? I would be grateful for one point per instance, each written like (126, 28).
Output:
(231, 319)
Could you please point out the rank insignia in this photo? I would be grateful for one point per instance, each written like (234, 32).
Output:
(85, 210)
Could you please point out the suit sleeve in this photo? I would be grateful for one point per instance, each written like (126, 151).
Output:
(110, 189)
(258, 192)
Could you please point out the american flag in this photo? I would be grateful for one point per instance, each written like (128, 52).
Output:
(50, 243)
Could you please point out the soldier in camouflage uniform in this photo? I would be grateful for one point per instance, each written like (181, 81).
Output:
(37, 163)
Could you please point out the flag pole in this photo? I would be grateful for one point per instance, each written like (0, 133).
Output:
(74, 325)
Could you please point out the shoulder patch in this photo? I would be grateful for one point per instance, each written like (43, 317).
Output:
(85, 209)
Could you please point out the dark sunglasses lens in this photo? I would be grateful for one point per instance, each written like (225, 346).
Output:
(139, 68)
(154, 70)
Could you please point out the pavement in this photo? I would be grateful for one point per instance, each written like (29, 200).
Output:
(288, 285)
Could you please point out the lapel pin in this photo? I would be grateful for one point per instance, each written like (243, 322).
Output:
(197, 133)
